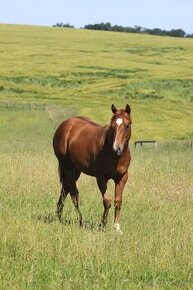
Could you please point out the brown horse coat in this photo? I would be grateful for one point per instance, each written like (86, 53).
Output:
(82, 145)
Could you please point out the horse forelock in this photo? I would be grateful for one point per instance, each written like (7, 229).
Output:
(120, 131)
(120, 114)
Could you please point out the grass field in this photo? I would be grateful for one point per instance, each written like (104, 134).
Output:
(79, 68)
(48, 74)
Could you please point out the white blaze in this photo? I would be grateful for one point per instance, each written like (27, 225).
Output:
(119, 121)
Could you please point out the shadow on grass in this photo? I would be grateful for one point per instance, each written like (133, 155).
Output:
(52, 217)
(46, 218)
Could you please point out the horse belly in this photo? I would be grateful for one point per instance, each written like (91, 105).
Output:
(82, 158)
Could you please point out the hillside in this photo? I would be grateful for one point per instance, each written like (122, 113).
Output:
(48, 74)
(84, 72)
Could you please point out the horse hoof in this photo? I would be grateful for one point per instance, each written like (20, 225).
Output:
(118, 229)
(101, 227)
(59, 217)
(81, 224)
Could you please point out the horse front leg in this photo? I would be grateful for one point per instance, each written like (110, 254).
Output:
(119, 185)
(102, 184)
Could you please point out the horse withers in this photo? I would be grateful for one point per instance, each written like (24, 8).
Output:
(82, 145)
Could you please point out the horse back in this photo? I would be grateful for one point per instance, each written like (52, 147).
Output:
(76, 134)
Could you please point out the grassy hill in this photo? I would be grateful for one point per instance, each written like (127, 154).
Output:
(85, 71)
(48, 74)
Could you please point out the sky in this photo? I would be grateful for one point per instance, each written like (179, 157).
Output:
(164, 14)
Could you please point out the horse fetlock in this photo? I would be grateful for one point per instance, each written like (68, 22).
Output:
(117, 205)
(60, 217)
(59, 212)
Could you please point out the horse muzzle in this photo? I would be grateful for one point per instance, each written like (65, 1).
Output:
(118, 151)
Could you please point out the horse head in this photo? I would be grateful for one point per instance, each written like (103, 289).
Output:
(120, 128)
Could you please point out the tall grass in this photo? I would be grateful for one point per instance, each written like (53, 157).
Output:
(37, 252)
(48, 74)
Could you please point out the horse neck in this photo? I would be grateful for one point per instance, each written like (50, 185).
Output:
(103, 136)
(108, 136)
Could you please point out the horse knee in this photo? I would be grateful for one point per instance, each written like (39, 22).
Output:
(118, 203)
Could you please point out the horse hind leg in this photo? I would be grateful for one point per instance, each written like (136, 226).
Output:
(75, 196)
(75, 200)
(68, 177)
(63, 194)
(60, 203)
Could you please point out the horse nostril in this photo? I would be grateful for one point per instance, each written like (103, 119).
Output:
(118, 149)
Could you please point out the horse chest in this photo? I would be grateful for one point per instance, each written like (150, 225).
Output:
(112, 167)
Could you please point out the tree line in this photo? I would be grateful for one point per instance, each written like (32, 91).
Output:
(61, 24)
(136, 29)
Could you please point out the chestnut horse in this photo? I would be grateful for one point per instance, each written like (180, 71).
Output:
(82, 145)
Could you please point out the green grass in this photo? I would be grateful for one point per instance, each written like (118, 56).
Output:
(36, 252)
(79, 68)
(48, 74)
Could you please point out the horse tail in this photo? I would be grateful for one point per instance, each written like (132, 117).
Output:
(61, 174)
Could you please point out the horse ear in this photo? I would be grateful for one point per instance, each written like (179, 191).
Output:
(128, 109)
(114, 109)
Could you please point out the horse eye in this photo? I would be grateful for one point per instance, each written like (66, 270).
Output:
(126, 126)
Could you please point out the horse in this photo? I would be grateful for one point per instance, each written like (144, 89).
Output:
(83, 146)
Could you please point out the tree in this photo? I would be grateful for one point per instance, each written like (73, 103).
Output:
(137, 29)
(61, 24)
(189, 35)
(177, 33)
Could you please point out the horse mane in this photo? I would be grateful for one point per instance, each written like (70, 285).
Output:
(104, 135)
